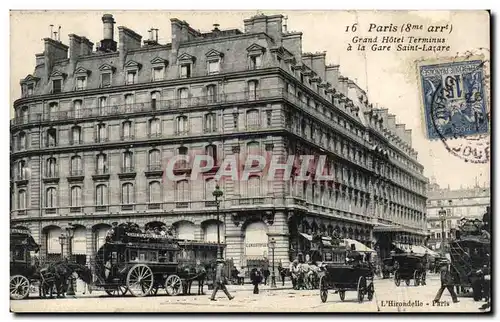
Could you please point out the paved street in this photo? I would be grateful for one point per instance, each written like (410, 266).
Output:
(281, 300)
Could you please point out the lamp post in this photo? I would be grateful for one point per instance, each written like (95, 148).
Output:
(217, 194)
(272, 245)
(442, 217)
(62, 240)
(69, 237)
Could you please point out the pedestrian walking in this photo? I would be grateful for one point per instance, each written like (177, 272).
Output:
(446, 283)
(265, 273)
(220, 281)
(256, 278)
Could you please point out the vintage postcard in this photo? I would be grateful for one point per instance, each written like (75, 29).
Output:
(250, 161)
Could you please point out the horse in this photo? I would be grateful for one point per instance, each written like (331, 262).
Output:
(200, 277)
(57, 275)
(283, 272)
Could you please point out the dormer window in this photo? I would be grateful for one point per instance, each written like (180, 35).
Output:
(131, 77)
(214, 59)
(186, 62)
(106, 75)
(255, 53)
(158, 72)
(28, 85)
(185, 70)
(57, 86)
(81, 83)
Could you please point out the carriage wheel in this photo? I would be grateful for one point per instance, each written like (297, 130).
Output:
(118, 291)
(361, 288)
(342, 295)
(323, 289)
(173, 285)
(140, 280)
(416, 277)
(407, 282)
(397, 279)
(371, 291)
(19, 287)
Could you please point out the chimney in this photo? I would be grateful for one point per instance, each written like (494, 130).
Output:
(75, 47)
(129, 39)
(86, 47)
(153, 37)
(108, 44)
(318, 63)
(271, 25)
(293, 43)
(408, 137)
(400, 130)
(332, 74)
(54, 51)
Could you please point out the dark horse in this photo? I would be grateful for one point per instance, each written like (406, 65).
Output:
(200, 272)
(58, 275)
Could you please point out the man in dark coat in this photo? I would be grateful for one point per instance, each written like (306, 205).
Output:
(265, 274)
(220, 281)
(256, 278)
(446, 282)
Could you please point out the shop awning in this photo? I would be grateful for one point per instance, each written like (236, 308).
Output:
(360, 247)
(379, 228)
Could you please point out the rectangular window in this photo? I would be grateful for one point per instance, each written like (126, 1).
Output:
(183, 95)
(56, 86)
(105, 79)
(255, 62)
(185, 70)
(252, 90)
(81, 83)
(213, 67)
(127, 130)
(269, 115)
(158, 73)
(30, 89)
(210, 123)
(132, 77)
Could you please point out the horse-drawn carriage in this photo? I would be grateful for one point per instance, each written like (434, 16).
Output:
(341, 275)
(408, 267)
(142, 263)
(22, 268)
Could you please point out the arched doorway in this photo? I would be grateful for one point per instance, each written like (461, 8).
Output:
(153, 224)
(210, 231)
(100, 232)
(53, 245)
(256, 245)
(185, 230)
(79, 245)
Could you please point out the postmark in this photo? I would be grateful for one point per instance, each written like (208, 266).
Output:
(454, 96)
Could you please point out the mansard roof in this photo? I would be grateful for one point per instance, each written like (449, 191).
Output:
(29, 79)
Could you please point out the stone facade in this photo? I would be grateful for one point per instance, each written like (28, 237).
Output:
(93, 132)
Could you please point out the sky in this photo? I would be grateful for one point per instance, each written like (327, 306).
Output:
(390, 78)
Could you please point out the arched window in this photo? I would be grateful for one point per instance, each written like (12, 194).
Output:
(127, 193)
(253, 148)
(76, 196)
(77, 108)
(183, 96)
(210, 123)
(51, 137)
(211, 94)
(102, 163)
(182, 125)
(50, 197)
(21, 199)
(127, 130)
(22, 170)
(154, 159)
(103, 105)
(102, 133)
(253, 186)
(50, 170)
(253, 121)
(22, 142)
(182, 188)
(101, 195)
(76, 165)
(211, 150)
(252, 90)
(209, 188)
(128, 165)
(154, 192)
(76, 135)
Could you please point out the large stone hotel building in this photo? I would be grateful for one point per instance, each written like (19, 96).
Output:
(93, 129)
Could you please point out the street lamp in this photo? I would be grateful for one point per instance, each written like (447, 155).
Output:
(218, 194)
(70, 232)
(442, 217)
(272, 245)
(62, 240)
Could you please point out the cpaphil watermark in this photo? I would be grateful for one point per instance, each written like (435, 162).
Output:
(269, 167)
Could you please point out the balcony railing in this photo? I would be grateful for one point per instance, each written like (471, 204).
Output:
(76, 173)
(127, 170)
(75, 209)
(155, 167)
(154, 206)
(75, 141)
(101, 208)
(127, 207)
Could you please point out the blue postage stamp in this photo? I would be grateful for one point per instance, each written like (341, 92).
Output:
(453, 99)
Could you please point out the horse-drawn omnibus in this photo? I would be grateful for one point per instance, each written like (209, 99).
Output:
(22, 266)
(141, 263)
